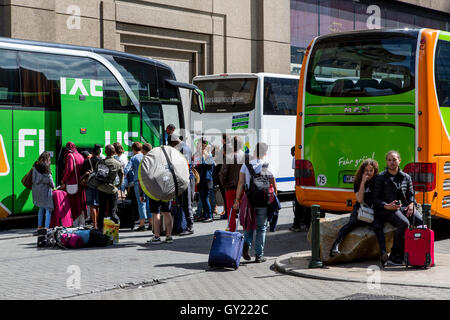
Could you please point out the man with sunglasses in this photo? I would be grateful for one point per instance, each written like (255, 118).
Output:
(395, 202)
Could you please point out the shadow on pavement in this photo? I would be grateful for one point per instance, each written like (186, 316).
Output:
(280, 242)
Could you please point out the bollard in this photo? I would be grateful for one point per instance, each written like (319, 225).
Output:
(427, 215)
(315, 238)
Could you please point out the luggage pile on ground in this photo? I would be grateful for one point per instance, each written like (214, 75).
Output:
(66, 238)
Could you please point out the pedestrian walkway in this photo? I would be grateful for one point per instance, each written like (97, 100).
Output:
(297, 264)
(16, 233)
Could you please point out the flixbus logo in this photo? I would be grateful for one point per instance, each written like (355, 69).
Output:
(79, 85)
(4, 164)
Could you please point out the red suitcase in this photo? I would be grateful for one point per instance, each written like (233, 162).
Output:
(61, 216)
(419, 247)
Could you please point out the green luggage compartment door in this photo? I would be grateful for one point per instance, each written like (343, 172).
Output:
(82, 120)
(6, 176)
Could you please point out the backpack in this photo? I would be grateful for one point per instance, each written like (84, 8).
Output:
(258, 190)
(102, 172)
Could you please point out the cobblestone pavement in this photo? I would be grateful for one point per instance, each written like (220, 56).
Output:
(133, 270)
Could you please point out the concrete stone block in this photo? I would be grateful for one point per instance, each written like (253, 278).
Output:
(277, 22)
(360, 244)
(238, 53)
(277, 57)
(218, 54)
(86, 35)
(162, 17)
(39, 24)
(36, 4)
(238, 17)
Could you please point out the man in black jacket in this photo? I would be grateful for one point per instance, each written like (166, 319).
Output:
(394, 200)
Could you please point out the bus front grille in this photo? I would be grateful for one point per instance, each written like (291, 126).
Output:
(446, 185)
(446, 202)
(447, 167)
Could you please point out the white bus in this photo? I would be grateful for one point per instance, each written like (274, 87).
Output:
(256, 106)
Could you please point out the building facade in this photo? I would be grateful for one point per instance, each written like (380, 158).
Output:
(312, 18)
(198, 37)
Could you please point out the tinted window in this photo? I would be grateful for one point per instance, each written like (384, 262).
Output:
(280, 96)
(442, 69)
(114, 96)
(362, 67)
(152, 123)
(166, 90)
(141, 77)
(9, 77)
(41, 73)
(227, 95)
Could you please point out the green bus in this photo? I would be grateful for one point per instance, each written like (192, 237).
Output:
(51, 94)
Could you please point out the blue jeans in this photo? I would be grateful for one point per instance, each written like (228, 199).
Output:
(141, 205)
(261, 227)
(212, 202)
(205, 196)
(48, 216)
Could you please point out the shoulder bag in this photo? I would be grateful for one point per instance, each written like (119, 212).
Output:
(73, 188)
(365, 213)
(27, 180)
(85, 178)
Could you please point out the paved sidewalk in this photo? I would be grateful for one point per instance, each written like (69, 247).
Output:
(297, 264)
(16, 233)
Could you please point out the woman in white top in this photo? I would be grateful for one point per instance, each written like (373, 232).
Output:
(261, 212)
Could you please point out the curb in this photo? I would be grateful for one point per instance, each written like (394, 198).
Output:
(296, 264)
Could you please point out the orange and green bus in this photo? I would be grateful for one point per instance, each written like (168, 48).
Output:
(52, 93)
(364, 93)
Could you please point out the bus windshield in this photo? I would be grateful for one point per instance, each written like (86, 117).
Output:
(227, 95)
(362, 67)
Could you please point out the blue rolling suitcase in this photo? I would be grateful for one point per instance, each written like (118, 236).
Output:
(226, 249)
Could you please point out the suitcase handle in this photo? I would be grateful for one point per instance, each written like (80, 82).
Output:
(414, 207)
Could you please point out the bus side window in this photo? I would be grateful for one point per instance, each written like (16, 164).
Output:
(9, 78)
(280, 96)
(41, 74)
(114, 96)
(442, 70)
(166, 91)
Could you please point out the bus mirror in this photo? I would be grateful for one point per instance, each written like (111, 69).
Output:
(200, 96)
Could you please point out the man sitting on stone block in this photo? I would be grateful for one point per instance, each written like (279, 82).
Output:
(393, 197)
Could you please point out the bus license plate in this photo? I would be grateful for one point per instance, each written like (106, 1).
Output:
(349, 179)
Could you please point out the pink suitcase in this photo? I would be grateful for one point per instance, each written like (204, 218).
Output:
(62, 216)
(419, 247)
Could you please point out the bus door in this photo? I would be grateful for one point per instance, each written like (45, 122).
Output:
(82, 112)
(152, 123)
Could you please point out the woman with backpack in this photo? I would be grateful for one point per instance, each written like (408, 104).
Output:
(257, 176)
(42, 188)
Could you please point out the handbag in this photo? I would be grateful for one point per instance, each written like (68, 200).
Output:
(73, 188)
(365, 213)
(85, 178)
(196, 175)
(27, 180)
